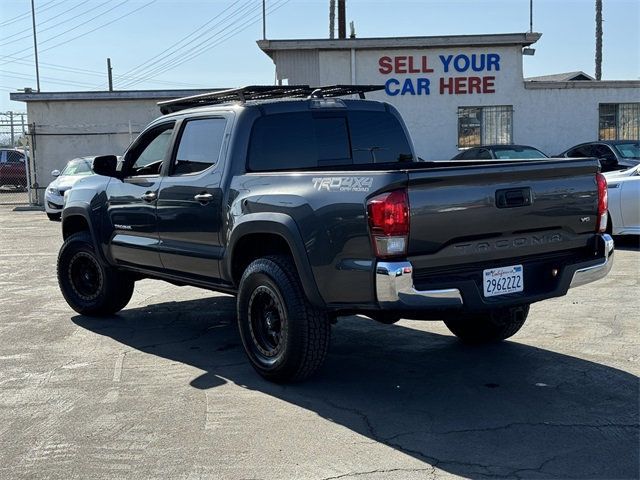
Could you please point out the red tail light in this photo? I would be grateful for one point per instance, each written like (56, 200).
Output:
(389, 223)
(603, 202)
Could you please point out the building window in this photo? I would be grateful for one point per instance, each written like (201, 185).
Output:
(485, 126)
(619, 121)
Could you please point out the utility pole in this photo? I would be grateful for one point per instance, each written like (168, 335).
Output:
(264, 19)
(110, 74)
(342, 20)
(35, 43)
(13, 139)
(530, 16)
(598, 39)
(332, 19)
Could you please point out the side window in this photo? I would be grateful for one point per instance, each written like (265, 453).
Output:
(147, 154)
(200, 145)
(321, 139)
(484, 154)
(298, 140)
(602, 151)
(14, 157)
(469, 154)
(584, 151)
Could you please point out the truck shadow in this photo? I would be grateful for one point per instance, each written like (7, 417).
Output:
(504, 410)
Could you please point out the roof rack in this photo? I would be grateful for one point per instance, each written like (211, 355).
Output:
(264, 92)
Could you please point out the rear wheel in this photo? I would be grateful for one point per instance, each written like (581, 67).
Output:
(284, 336)
(492, 326)
(89, 286)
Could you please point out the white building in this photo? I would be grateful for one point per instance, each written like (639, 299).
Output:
(453, 91)
(466, 90)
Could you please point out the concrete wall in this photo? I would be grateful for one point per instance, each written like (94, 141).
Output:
(68, 129)
(549, 118)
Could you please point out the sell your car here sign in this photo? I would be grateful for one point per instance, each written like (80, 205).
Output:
(450, 74)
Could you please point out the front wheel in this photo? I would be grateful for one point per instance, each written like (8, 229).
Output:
(492, 326)
(54, 217)
(89, 286)
(284, 336)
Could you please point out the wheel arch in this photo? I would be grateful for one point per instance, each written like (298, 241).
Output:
(76, 219)
(262, 234)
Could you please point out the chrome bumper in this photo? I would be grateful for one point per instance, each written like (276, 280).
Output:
(394, 289)
(590, 274)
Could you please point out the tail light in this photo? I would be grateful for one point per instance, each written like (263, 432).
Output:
(603, 202)
(389, 223)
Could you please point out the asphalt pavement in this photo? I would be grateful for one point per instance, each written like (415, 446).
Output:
(163, 389)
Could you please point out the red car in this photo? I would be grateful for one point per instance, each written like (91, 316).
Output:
(12, 168)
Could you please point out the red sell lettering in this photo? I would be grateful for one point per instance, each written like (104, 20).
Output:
(385, 65)
(425, 65)
(412, 68)
(488, 84)
(400, 65)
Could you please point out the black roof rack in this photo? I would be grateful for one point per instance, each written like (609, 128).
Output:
(264, 92)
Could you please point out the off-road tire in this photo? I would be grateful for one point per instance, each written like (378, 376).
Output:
(54, 217)
(304, 331)
(89, 286)
(492, 326)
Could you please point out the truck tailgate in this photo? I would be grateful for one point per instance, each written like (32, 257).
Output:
(472, 214)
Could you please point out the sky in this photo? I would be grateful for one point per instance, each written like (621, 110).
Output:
(163, 44)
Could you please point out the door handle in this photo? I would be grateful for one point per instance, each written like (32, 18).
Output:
(149, 197)
(203, 197)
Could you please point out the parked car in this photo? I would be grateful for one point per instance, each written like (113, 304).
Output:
(500, 152)
(13, 170)
(313, 207)
(624, 201)
(612, 154)
(75, 170)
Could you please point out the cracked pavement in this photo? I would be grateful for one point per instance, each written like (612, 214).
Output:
(163, 389)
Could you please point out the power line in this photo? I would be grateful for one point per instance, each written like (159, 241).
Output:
(40, 23)
(17, 18)
(22, 76)
(150, 63)
(173, 63)
(76, 26)
(95, 73)
(100, 26)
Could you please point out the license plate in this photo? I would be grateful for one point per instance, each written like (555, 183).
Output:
(503, 280)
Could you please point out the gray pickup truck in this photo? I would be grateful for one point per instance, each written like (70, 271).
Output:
(308, 207)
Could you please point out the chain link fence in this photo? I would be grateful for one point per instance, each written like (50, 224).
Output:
(14, 155)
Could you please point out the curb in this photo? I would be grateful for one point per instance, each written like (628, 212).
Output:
(28, 208)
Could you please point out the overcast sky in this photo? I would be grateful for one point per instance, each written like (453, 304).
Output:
(157, 44)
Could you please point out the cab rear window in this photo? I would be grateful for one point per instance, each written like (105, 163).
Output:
(306, 140)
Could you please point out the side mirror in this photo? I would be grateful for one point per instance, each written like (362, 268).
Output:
(105, 165)
(55, 173)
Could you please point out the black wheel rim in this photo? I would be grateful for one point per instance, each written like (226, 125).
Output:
(267, 323)
(85, 276)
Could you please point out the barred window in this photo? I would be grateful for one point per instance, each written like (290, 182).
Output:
(619, 121)
(485, 126)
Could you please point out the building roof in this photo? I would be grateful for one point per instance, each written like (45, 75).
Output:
(115, 95)
(562, 77)
(520, 39)
(596, 84)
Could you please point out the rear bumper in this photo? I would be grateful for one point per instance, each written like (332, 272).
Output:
(395, 288)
